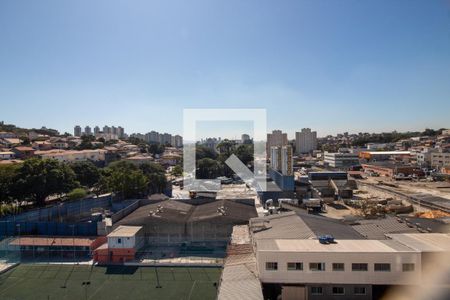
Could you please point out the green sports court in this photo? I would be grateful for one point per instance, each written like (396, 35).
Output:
(33, 281)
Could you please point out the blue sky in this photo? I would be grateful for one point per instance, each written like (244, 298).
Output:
(333, 66)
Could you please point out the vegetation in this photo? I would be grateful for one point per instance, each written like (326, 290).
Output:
(78, 193)
(37, 179)
(87, 174)
(211, 164)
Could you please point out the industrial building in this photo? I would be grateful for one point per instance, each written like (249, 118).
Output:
(341, 160)
(294, 262)
(390, 169)
(173, 222)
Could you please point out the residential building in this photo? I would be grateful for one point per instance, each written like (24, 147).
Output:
(7, 135)
(305, 141)
(165, 139)
(440, 159)
(121, 132)
(10, 142)
(77, 131)
(114, 130)
(23, 152)
(423, 158)
(106, 129)
(177, 141)
(6, 155)
(87, 130)
(276, 138)
(152, 137)
(97, 155)
(245, 138)
(42, 145)
(96, 130)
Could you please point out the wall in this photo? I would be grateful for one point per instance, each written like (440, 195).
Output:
(395, 276)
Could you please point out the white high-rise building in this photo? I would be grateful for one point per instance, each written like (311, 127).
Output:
(121, 132)
(106, 129)
(305, 141)
(96, 130)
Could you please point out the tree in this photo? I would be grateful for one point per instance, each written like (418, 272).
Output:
(126, 179)
(8, 174)
(156, 176)
(177, 171)
(78, 193)
(204, 152)
(39, 178)
(208, 168)
(87, 174)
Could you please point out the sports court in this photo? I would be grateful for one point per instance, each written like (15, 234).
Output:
(31, 281)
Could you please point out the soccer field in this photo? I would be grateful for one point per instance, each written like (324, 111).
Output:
(28, 281)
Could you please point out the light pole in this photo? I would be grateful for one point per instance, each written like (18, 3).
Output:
(20, 251)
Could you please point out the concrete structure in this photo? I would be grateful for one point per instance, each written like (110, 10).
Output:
(440, 159)
(293, 263)
(77, 131)
(96, 130)
(341, 160)
(245, 138)
(276, 138)
(423, 157)
(305, 141)
(87, 130)
(121, 246)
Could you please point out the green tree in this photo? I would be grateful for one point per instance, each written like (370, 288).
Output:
(156, 176)
(8, 175)
(78, 193)
(86, 173)
(177, 171)
(208, 168)
(39, 178)
(126, 179)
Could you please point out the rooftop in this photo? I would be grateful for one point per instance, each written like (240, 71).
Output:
(125, 231)
(346, 246)
(53, 241)
(426, 242)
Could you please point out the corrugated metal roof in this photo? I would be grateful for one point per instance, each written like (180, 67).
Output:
(286, 226)
(378, 228)
(426, 242)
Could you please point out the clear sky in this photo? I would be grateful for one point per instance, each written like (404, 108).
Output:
(332, 66)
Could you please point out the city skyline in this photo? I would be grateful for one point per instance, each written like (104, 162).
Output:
(160, 60)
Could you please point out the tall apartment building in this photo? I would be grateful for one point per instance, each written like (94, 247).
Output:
(281, 160)
(87, 130)
(77, 131)
(114, 130)
(96, 130)
(106, 129)
(245, 138)
(177, 141)
(305, 141)
(165, 138)
(121, 132)
(276, 138)
(152, 137)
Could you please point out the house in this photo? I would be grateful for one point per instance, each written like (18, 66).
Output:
(42, 145)
(23, 152)
(10, 142)
(6, 155)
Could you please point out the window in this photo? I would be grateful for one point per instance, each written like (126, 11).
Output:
(338, 267)
(408, 267)
(316, 290)
(359, 267)
(119, 241)
(317, 266)
(294, 266)
(338, 290)
(359, 290)
(271, 266)
(382, 267)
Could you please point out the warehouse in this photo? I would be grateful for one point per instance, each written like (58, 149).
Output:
(173, 222)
